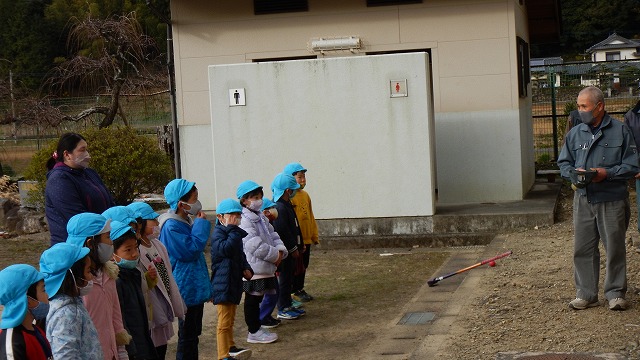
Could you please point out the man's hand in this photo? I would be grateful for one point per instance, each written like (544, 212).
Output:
(600, 175)
(637, 176)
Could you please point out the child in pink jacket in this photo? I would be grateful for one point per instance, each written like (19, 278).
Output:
(92, 231)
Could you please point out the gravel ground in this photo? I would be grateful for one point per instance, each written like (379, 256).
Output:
(523, 304)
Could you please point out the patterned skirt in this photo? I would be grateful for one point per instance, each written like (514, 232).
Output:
(260, 286)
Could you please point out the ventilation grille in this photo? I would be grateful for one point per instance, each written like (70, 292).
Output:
(392, 2)
(263, 7)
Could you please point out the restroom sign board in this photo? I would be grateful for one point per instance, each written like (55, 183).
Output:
(398, 88)
(236, 97)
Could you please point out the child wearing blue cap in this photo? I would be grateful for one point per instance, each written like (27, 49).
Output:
(228, 268)
(130, 291)
(92, 231)
(308, 227)
(264, 251)
(270, 299)
(67, 277)
(163, 300)
(284, 187)
(185, 239)
(269, 210)
(24, 299)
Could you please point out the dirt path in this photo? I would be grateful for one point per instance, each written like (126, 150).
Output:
(523, 304)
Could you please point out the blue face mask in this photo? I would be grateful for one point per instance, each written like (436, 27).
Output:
(40, 311)
(127, 264)
(293, 193)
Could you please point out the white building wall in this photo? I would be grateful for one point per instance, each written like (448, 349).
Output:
(336, 116)
(625, 54)
(472, 43)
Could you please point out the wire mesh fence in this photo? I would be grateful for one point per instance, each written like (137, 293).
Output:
(19, 142)
(556, 87)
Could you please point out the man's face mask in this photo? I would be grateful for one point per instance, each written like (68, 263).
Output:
(588, 117)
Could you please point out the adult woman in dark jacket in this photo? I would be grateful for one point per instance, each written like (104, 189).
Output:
(72, 188)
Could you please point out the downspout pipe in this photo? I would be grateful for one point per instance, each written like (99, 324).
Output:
(172, 96)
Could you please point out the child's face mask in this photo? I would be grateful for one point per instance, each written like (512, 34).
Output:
(229, 219)
(194, 208)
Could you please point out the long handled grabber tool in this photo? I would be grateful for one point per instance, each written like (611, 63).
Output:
(491, 262)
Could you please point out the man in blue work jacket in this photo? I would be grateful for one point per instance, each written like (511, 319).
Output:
(599, 156)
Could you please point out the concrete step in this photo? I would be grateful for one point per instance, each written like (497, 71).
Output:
(452, 225)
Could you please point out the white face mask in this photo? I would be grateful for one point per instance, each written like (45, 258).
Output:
(82, 290)
(226, 221)
(194, 208)
(156, 233)
(85, 290)
(82, 160)
(255, 205)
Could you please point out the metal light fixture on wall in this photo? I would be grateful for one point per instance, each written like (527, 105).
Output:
(324, 44)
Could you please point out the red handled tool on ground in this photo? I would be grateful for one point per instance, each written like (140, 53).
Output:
(434, 281)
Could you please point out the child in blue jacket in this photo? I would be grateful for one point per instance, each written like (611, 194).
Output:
(185, 239)
(228, 266)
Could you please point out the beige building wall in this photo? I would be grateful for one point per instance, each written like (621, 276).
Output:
(481, 123)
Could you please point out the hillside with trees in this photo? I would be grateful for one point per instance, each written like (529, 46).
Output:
(35, 33)
(587, 22)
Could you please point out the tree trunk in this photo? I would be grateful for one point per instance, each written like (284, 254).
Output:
(113, 107)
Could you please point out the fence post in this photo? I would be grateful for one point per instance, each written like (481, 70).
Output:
(554, 116)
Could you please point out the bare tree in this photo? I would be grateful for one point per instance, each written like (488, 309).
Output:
(112, 56)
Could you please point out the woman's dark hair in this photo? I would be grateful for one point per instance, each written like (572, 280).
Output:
(69, 286)
(124, 237)
(250, 194)
(186, 196)
(68, 142)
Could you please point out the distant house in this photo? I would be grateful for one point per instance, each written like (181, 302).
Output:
(614, 76)
(539, 72)
(615, 47)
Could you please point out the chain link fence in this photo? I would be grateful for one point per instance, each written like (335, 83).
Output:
(19, 142)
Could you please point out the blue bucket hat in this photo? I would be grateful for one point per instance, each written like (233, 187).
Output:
(281, 183)
(119, 213)
(15, 280)
(176, 189)
(293, 167)
(142, 210)
(267, 203)
(246, 187)
(84, 225)
(56, 261)
(119, 228)
(228, 206)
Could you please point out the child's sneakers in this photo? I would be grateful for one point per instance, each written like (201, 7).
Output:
(302, 296)
(262, 337)
(270, 323)
(296, 304)
(288, 314)
(239, 353)
(300, 312)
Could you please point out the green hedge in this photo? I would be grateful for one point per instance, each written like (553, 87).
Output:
(128, 163)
